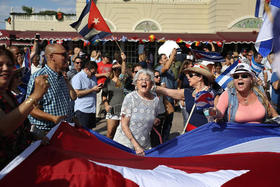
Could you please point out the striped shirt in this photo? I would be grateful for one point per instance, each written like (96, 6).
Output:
(56, 101)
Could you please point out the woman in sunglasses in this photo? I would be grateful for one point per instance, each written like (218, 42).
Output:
(197, 99)
(244, 100)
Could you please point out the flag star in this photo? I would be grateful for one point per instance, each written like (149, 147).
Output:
(96, 21)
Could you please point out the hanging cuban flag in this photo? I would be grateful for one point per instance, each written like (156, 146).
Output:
(264, 42)
(91, 24)
(225, 77)
(226, 155)
(208, 56)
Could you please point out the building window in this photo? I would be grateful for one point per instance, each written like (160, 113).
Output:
(253, 23)
(147, 26)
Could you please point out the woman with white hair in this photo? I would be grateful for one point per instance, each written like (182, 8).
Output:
(244, 101)
(138, 114)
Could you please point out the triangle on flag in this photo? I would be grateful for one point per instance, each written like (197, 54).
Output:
(96, 21)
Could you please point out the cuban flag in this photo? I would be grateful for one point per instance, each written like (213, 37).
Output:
(208, 56)
(204, 99)
(225, 77)
(265, 38)
(212, 155)
(91, 24)
(256, 67)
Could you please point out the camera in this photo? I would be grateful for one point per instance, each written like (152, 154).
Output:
(37, 36)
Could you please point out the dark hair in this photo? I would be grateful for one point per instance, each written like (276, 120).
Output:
(136, 65)
(90, 65)
(218, 64)
(8, 53)
(160, 56)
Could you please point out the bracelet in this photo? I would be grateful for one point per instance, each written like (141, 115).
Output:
(31, 100)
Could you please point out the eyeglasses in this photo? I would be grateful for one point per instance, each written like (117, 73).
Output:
(243, 76)
(144, 80)
(63, 54)
(192, 74)
(157, 76)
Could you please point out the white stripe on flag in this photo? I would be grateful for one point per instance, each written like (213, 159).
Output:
(160, 176)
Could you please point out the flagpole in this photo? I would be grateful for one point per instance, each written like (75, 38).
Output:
(118, 45)
(186, 125)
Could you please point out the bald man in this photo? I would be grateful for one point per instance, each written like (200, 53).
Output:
(56, 104)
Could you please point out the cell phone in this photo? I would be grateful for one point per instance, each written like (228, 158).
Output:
(100, 85)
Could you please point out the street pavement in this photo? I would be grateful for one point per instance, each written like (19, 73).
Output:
(176, 129)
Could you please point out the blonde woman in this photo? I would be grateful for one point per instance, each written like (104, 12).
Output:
(244, 101)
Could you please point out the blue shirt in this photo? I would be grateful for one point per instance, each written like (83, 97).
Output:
(87, 103)
(56, 100)
(275, 99)
(167, 77)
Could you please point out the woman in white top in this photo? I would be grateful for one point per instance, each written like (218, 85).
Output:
(138, 114)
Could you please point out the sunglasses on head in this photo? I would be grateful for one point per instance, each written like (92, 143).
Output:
(243, 76)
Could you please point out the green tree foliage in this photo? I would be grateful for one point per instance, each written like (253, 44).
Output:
(27, 10)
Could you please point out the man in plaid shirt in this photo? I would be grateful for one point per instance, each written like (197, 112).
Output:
(56, 103)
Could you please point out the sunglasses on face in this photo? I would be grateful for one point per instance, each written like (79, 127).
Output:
(157, 76)
(192, 74)
(243, 76)
(135, 72)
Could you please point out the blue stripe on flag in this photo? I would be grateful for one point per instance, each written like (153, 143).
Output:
(257, 9)
(275, 3)
(265, 47)
(83, 14)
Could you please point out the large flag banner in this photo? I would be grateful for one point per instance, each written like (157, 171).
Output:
(208, 56)
(228, 155)
(91, 24)
(264, 42)
(225, 77)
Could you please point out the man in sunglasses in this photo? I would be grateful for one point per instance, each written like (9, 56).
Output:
(56, 103)
(77, 68)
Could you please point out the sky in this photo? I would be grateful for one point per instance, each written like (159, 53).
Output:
(66, 6)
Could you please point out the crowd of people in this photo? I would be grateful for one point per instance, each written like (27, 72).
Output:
(139, 101)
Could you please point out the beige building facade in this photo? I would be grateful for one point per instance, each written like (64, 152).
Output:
(157, 16)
